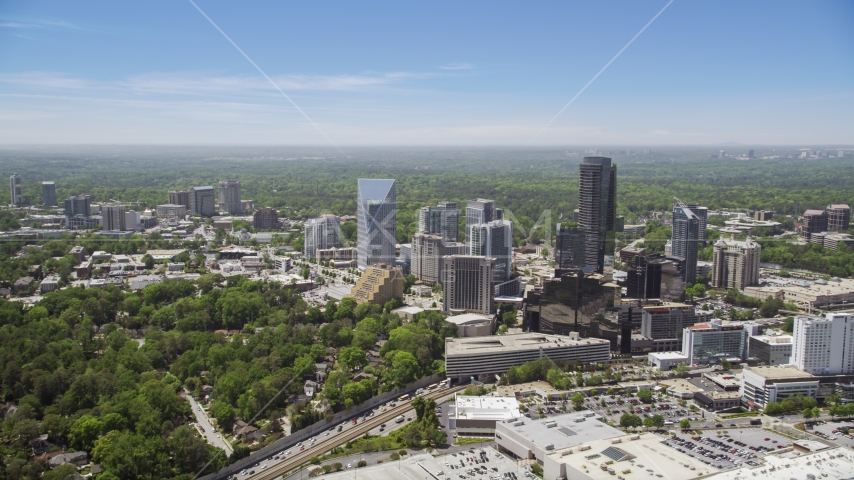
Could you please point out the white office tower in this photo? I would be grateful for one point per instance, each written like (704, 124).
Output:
(321, 233)
(113, 218)
(17, 188)
(467, 284)
(377, 211)
(229, 196)
(824, 346)
(443, 219)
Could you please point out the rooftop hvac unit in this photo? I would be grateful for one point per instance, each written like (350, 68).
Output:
(566, 452)
(583, 448)
(616, 440)
(579, 420)
(634, 437)
(550, 447)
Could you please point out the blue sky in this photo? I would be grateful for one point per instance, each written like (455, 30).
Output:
(427, 73)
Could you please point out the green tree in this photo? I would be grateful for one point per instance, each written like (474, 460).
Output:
(628, 420)
(684, 424)
(577, 400)
(645, 395)
(352, 357)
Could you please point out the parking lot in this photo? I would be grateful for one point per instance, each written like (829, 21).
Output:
(481, 463)
(724, 450)
(830, 432)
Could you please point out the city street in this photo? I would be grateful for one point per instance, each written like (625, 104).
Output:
(209, 432)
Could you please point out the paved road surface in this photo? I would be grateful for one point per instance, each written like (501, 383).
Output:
(210, 433)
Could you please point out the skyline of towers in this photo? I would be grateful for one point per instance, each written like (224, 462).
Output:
(685, 239)
(229, 196)
(597, 188)
(427, 252)
(321, 233)
(376, 217)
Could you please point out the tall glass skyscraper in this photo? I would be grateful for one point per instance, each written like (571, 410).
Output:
(321, 233)
(597, 207)
(377, 212)
(686, 238)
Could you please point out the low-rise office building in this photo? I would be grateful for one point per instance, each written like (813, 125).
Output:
(482, 356)
(714, 341)
(761, 385)
(477, 416)
(473, 324)
(667, 360)
(715, 400)
(770, 350)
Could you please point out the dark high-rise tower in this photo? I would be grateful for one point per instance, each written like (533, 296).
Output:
(686, 238)
(597, 206)
(570, 245)
(48, 194)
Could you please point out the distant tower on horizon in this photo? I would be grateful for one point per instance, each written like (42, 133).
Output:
(597, 205)
(750, 153)
(48, 194)
(229, 196)
(377, 216)
(721, 154)
(17, 189)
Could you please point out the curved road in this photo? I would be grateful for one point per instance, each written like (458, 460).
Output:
(323, 446)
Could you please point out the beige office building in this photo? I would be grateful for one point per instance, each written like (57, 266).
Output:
(379, 284)
(735, 263)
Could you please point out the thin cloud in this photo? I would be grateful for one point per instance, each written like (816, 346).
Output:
(38, 23)
(457, 66)
(201, 84)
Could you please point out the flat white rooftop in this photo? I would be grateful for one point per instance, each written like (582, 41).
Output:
(562, 431)
(631, 459)
(487, 408)
(468, 318)
(668, 355)
(517, 342)
(835, 463)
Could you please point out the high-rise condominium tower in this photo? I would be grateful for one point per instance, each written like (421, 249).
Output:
(686, 238)
(494, 240)
(467, 284)
(321, 233)
(229, 196)
(443, 219)
(597, 206)
(377, 212)
(482, 211)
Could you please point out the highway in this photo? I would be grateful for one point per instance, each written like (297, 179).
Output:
(321, 447)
